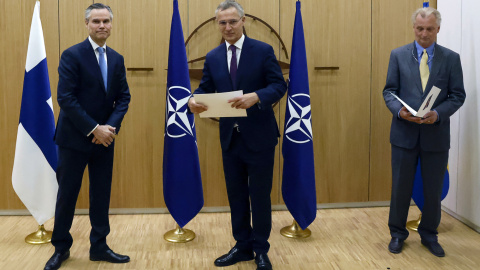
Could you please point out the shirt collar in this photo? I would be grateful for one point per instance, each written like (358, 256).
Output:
(95, 45)
(420, 49)
(237, 44)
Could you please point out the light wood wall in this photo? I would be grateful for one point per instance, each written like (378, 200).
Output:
(350, 120)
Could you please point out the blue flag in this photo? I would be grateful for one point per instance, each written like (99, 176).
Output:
(298, 184)
(182, 181)
(33, 176)
(417, 194)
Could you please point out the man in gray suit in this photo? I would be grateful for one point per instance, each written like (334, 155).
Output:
(412, 72)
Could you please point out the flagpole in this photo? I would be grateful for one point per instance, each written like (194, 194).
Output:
(295, 231)
(179, 235)
(41, 236)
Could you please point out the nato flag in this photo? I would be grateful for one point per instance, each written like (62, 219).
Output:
(298, 184)
(182, 181)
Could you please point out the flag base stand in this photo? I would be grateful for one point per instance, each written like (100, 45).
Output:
(179, 235)
(413, 224)
(41, 236)
(295, 231)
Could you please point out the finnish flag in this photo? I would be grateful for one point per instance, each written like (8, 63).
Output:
(33, 176)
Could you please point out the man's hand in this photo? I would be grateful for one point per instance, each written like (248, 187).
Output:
(406, 115)
(196, 107)
(104, 134)
(244, 102)
(429, 118)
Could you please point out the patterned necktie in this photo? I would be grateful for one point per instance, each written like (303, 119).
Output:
(233, 65)
(103, 65)
(424, 70)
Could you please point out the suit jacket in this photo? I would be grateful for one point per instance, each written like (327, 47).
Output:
(258, 71)
(81, 94)
(403, 79)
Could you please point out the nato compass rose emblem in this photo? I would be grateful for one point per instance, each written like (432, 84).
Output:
(298, 128)
(178, 122)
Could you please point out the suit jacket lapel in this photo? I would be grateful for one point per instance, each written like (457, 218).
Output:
(414, 66)
(436, 64)
(223, 63)
(243, 63)
(110, 65)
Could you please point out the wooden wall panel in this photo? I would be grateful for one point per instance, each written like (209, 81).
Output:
(15, 23)
(139, 150)
(350, 120)
(391, 28)
(340, 99)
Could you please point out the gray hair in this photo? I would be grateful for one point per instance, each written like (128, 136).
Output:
(228, 4)
(97, 6)
(425, 12)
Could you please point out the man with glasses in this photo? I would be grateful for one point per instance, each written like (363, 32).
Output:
(248, 143)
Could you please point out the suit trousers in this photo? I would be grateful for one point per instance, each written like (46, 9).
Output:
(70, 169)
(248, 176)
(404, 164)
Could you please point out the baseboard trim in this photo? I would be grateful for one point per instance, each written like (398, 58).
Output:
(213, 209)
(462, 219)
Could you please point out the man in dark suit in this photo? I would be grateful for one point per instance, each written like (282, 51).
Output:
(248, 143)
(413, 70)
(93, 95)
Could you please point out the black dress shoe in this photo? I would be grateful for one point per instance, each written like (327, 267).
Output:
(262, 261)
(56, 260)
(109, 256)
(396, 245)
(434, 248)
(233, 256)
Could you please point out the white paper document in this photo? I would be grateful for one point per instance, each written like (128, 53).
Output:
(426, 105)
(218, 105)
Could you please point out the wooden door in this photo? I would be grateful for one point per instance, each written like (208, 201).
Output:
(337, 34)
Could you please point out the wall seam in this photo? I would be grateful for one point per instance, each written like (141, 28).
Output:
(459, 112)
(370, 107)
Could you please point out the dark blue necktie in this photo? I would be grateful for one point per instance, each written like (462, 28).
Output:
(233, 65)
(103, 65)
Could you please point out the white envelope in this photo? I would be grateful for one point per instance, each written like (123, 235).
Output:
(218, 105)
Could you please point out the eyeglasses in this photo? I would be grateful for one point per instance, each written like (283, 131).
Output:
(230, 22)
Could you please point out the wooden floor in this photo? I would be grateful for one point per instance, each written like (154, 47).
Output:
(354, 238)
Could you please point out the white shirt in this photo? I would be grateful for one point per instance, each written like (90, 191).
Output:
(95, 46)
(237, 44)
